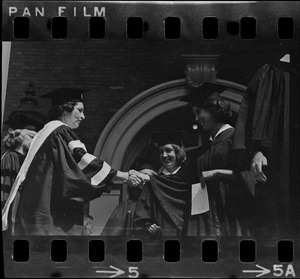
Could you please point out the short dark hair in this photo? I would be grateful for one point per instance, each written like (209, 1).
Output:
(179, 152)
(219, 109)
(56, 111)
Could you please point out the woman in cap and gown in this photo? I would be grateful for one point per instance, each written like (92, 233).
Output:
(16, 144)
(59, 176)
(163, 204)
(227, 200)
(22, 128)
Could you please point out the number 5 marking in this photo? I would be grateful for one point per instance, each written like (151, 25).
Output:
(278, 271)
(133, 272)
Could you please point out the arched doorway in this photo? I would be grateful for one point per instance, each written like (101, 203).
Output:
(143, 108)
(128, 132)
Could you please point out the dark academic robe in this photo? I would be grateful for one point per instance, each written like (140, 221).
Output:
(221, 219)
(11, 162)
(263, 125)
(60, 180)
(165, 201)
(120, 223)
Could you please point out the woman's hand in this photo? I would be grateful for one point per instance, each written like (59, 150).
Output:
(258, 161)
(134, 172)
(154, 229)
(209, 174)
(148, 172)
(143, 176)
(134, 181)
(137, 179)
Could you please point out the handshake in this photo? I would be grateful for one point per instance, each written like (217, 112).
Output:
(138, 179)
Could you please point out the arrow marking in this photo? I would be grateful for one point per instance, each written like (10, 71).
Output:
(116, 272)
(262, 271)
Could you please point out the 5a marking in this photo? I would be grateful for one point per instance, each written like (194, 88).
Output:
(278, 271)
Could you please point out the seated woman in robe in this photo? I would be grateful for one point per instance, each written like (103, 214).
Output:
(163, 203)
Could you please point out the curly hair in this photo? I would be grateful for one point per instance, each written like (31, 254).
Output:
(56, 111)
(14, 138)
(219, 109)
(179, 152)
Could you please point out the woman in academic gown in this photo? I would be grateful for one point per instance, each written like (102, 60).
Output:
(212, 161)
(163, 203)
(16, 144)
(58, 175)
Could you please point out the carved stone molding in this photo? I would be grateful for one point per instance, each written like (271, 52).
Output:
(200, 68)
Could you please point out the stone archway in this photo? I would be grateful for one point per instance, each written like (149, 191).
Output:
(140, 110)
(118, 134)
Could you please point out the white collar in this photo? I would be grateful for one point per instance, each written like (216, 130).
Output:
(222, 129)
(163, 170)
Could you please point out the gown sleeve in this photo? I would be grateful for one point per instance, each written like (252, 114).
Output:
(10, 166)
(84, 175)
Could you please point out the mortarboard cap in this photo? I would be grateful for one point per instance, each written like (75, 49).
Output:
(208, 90)
(144, 162)
(64, 95)
(168, 137)
(24, 120)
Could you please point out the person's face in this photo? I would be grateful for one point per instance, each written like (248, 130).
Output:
(204, 118)
(167, 156)
(29, 135)
(73, 119)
